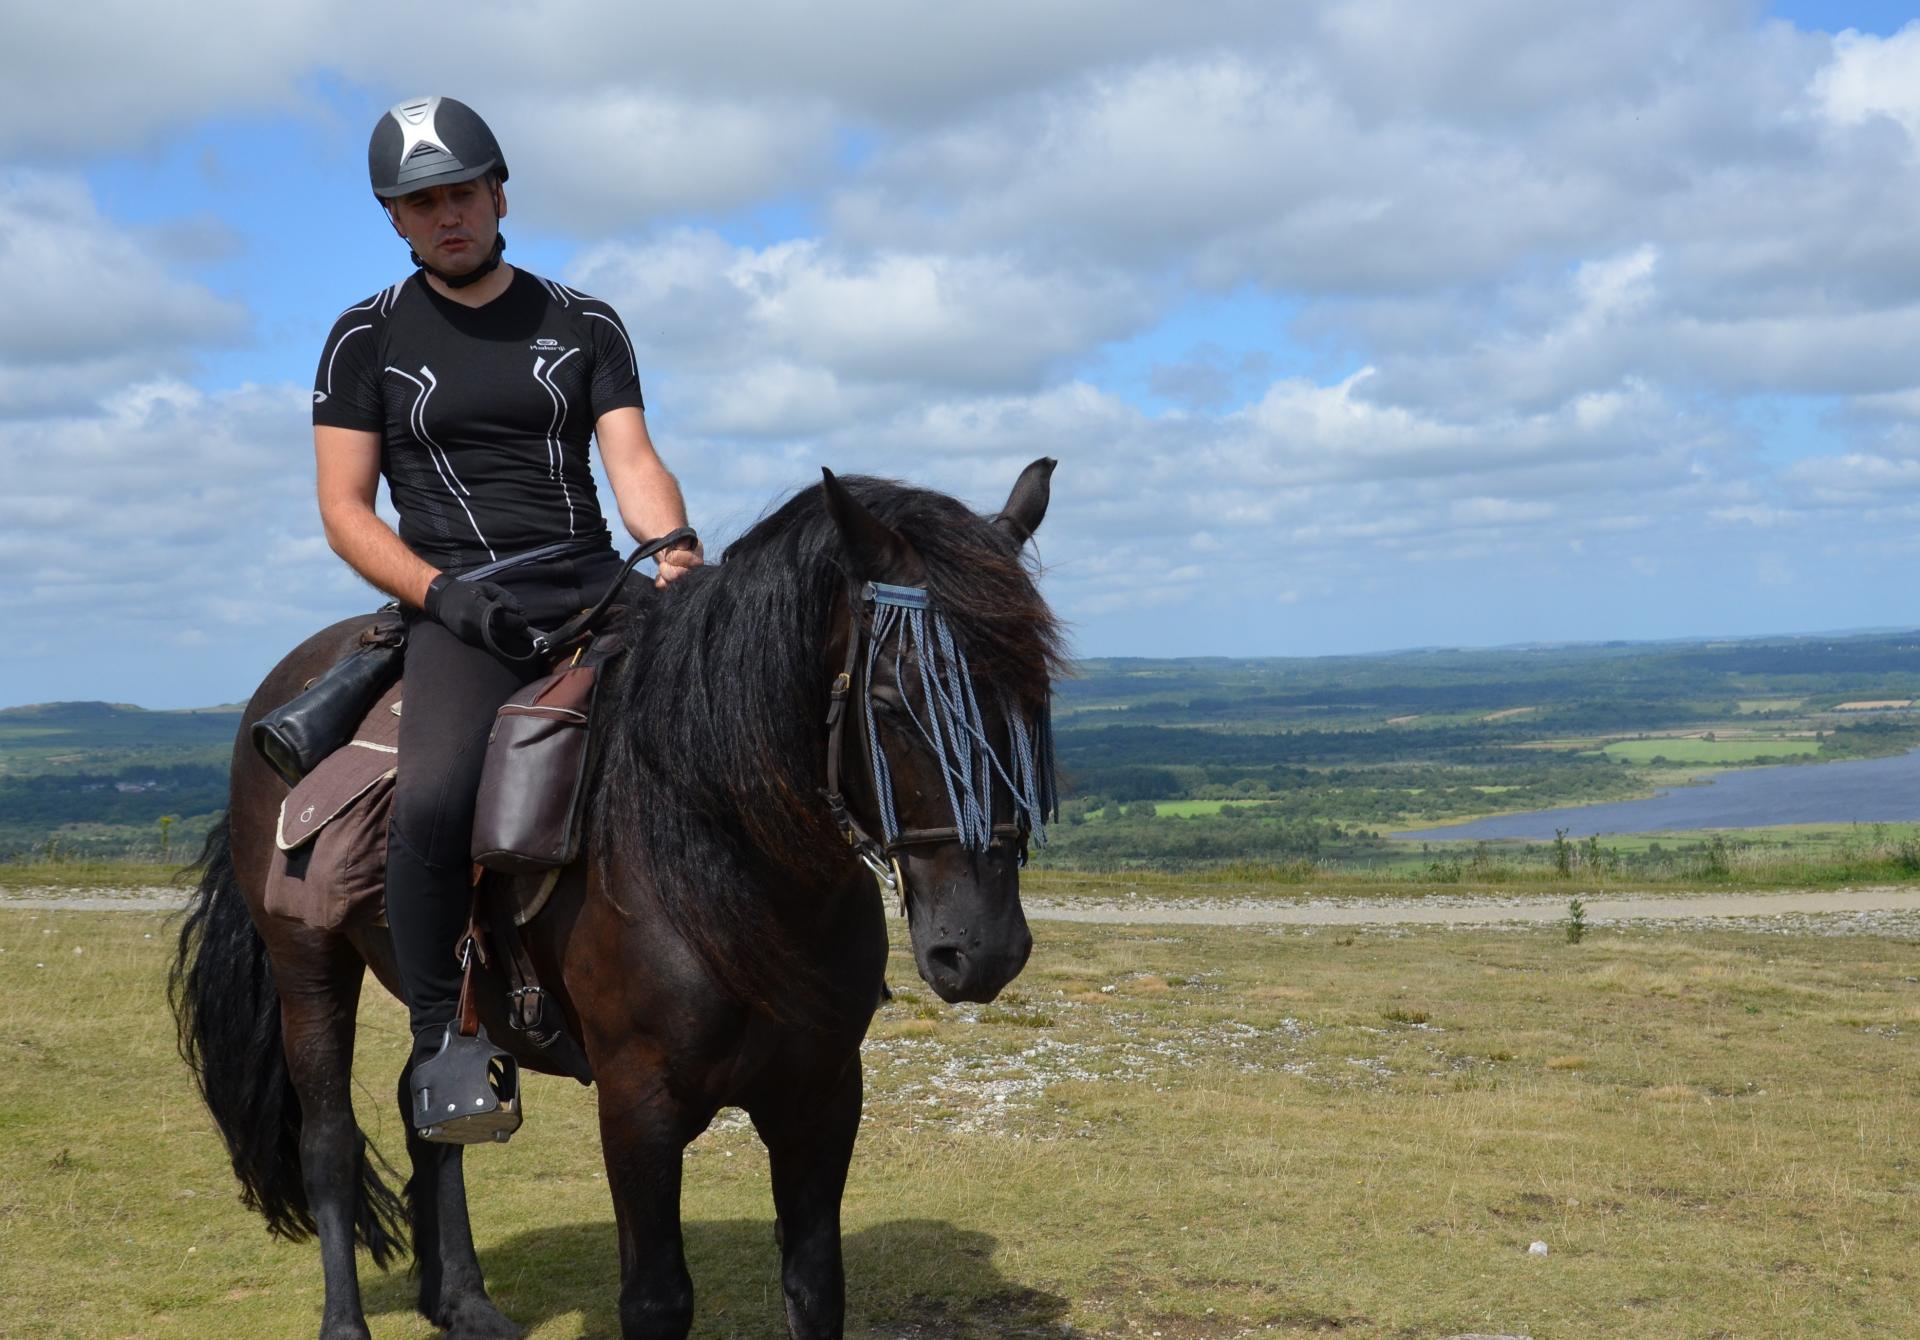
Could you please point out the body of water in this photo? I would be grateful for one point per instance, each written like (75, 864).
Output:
(1872, 790)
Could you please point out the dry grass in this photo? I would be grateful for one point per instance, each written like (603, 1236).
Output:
(1206, 1134)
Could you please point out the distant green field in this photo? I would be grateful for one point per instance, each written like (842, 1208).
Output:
(1182, 809)
(1709, 751)
(1812, 842)
(1187, 809)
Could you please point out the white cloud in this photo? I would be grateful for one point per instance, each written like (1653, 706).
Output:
(1873, 77)
(1856, 479)
(879, 62)
(168, 509)
(118, 74)
(1386, 153)
(89, 304)
(1565, 246)
(817, 332)
(614, 159)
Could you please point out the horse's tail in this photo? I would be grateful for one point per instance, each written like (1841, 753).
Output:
(228, 1013)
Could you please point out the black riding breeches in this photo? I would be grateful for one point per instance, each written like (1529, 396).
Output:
(447, 707)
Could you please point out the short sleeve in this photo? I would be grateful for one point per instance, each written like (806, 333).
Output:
(346, 385)
(616, 373)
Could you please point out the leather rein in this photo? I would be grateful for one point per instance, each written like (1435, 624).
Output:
(881, 857)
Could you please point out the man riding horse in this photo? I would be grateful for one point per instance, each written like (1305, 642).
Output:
(857, 698)
(474, 388)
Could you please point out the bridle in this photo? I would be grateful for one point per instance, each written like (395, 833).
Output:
(882, 855)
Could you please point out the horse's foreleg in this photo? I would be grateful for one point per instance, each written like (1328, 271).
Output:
(319, 990)
(453, 1295)
(643, 1133)
(809, 1135)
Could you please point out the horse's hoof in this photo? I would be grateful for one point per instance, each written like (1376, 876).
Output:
(345, 1330)
(478, 1319)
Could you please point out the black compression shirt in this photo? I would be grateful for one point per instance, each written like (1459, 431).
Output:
(484, 414)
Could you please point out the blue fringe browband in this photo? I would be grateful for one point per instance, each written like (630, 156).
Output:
(954, 728)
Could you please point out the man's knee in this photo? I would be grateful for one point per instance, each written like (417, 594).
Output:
(433, 817)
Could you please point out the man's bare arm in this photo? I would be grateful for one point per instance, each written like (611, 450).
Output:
(645, 491)
(347, 468)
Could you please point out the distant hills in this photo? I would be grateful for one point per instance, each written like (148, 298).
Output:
(46, 736)
(1309, 756)
(91, 778)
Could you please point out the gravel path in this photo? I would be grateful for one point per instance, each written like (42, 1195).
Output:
(1878, 910)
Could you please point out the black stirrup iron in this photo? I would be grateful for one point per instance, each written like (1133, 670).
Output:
(468, 1092)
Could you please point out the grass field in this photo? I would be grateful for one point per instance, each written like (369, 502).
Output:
(1687, 750)
(88, 874)
(1183, 809)
(1201, 1133)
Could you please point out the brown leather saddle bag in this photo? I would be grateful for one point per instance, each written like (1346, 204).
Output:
(529, 812)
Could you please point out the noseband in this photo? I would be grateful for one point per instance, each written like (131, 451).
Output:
(954, 730)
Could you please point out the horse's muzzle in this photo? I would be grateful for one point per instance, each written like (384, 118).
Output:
(970, 969)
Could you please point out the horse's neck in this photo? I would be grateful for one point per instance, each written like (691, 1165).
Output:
(747, 736)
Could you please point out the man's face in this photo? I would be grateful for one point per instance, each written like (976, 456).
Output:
(452, 227)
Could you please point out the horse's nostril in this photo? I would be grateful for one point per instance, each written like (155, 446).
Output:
(947, 959)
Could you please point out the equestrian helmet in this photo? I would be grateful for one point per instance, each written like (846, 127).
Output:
(426, 142)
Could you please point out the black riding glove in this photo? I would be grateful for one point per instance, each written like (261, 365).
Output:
(480, 613)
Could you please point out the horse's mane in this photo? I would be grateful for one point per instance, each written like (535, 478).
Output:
(714, 749)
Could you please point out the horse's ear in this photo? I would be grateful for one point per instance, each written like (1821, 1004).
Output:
(1027, 504)
(875, 550)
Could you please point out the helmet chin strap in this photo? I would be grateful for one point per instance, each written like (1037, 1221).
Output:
(473, 276)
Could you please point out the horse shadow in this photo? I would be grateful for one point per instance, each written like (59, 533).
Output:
(910, 1278)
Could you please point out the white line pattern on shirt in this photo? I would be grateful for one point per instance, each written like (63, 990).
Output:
(328, 393)
(556, 462)
(623, 339)
(417, 419)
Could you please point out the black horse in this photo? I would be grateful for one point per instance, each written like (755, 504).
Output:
(723, 941)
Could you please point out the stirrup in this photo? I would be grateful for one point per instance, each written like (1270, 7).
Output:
(466, 1093)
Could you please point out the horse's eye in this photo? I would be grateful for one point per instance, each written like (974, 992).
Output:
(887, 703)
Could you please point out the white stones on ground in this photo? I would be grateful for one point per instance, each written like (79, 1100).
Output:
(1536, 1249)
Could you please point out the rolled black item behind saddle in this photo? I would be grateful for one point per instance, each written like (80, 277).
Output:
(295, 737)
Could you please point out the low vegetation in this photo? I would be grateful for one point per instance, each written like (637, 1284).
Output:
(1794, 856)
(1205, 1133)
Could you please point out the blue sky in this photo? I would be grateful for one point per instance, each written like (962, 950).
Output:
(1354, 326)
